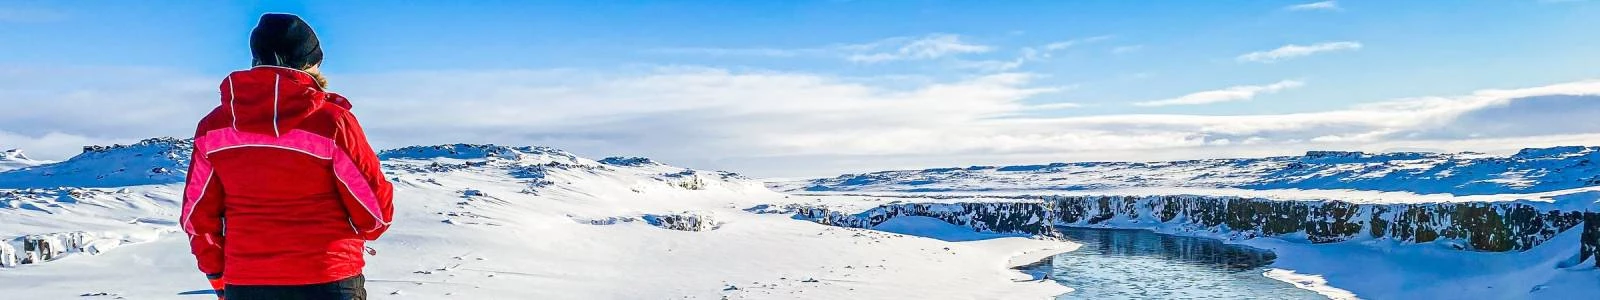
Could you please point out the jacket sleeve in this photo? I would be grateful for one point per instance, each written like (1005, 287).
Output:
(202, 215)
(368, 197)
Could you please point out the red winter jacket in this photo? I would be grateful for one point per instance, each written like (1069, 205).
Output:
(283, 188)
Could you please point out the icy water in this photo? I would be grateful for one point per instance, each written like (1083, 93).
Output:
(1139, 264)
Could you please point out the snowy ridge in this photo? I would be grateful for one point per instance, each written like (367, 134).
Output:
(1528, 171)
(151, 161)
(13, 154)
(473, 151)
(14, 159)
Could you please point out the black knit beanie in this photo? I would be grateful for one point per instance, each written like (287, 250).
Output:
(284, 40)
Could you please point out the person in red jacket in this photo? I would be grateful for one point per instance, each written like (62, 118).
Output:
(283, 190)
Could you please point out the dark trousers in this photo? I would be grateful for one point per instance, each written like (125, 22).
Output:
(346, 289)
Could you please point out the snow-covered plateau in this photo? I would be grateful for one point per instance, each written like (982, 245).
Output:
(496, 222)
(1382, 226)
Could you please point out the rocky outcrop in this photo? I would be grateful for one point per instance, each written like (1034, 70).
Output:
(1469, 226)
(477, 152)
(39, 248)
(1001, 217)
(628, 161)
(684, 221)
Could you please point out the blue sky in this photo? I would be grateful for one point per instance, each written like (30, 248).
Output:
(593, 77)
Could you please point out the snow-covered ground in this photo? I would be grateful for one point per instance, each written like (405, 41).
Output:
(490, 222)
(485, 222)
(1388, 270)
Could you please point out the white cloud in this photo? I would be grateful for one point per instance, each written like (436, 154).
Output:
(109, 101)
(786, 123)
(1324, 5)
(1293, 51)
(928, 47)
(1233, 93)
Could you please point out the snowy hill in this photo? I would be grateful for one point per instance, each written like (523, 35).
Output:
(1531, 170)
(488, 222)
(151, 161)
(14, 159)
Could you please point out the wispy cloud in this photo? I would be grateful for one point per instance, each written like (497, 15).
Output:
(928, 47)
(950, 48)
(1027, 55)
(1119, 50)
(1234, 93)
(1292, 51)
(1054, 106)
(772, 52)
(1056, 46)
(1324, 5)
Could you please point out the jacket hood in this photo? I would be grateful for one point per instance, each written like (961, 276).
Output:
(269, 99)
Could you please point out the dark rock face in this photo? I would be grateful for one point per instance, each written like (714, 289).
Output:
(1591, 238)
(1474, 226)
(1001, 217)
(683, 222)
(1503, 226)
(628, 161)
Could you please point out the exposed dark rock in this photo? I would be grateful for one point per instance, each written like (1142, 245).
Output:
(41, 248)
(1475, 226)
(1591, 238)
